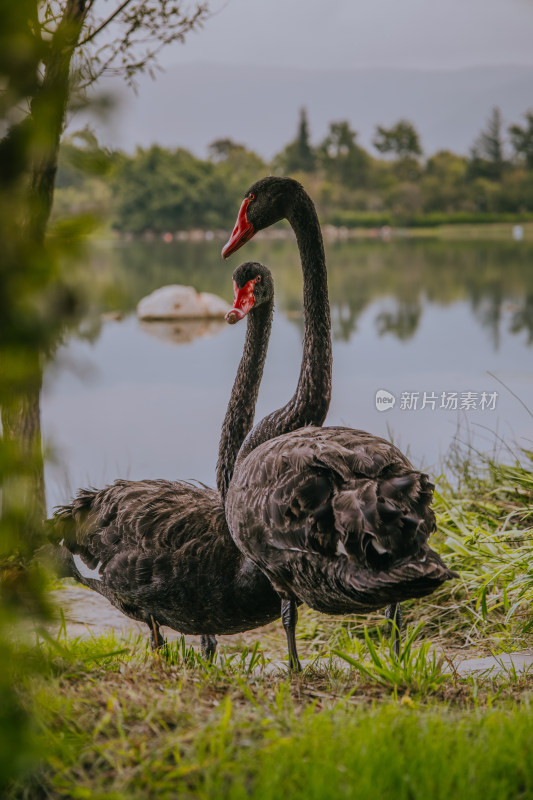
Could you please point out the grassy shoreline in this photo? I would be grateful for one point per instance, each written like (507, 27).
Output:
(132, 725)
(102, 232)
(112, 720)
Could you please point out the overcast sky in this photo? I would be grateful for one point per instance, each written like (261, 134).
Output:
(351, 33)
(306, 38)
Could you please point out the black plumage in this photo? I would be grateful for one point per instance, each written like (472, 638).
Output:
(341, 532)
(336, 517)
(161, 550)
(164, 553)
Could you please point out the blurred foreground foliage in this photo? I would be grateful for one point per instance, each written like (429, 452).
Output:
(37, 300)
(31, 299)
(50, 52)
(41, 293)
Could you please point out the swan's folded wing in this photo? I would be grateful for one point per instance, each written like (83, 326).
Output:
(333, 491)
(336, 518)
(133, 520)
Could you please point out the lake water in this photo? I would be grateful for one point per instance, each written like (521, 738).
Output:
(431, 323)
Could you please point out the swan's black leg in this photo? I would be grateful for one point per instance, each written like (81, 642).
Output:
(289, 617)
(394, 614)
(156, 640)
(208, 645)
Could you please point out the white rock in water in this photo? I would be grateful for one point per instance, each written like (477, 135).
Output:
(215, 305)
(181, 302)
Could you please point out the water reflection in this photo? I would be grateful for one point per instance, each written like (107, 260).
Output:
(184, 331)
(412, 274)
(522, 319)
(402, 321)
(408, 273)
(424, 317)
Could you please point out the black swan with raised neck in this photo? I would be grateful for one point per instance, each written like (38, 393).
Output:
(159, 550)
(335, 517)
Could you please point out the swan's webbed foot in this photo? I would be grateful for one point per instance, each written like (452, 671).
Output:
(208, 646)
(289, 617)
(394, 614)
(156, 640)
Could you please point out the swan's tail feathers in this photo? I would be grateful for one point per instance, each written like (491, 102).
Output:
(418, 577)
(57, 559)
(380, 522)
(70, 522)
(67, 533)
(62, 563)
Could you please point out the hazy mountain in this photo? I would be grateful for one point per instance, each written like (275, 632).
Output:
(191, 105)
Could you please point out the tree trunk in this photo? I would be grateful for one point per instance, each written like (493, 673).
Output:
(47, 116)
(23, 493)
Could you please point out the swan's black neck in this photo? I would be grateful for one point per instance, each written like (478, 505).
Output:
(310, 402)
(241, 407)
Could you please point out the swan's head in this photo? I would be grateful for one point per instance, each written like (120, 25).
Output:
(265, 203)
(252, 286)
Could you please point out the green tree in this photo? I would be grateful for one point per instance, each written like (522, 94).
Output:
(236, 162)
(76, 42)
(522, 140)
(81, 185)
(46, 46)
(235, 167)
(80, 155)
(50, 50)
(490, 141)
(224, 150)
(341, 156)
(401, 140)
(31, 300)
(444, 183)
(299, 156)
(162, 190)
(487, 154)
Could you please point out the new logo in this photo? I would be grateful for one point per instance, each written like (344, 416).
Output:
(384, 400)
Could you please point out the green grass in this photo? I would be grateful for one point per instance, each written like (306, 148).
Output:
(369, 219)
(135, 725)
(416, 669)
(112, 720)
(486, 534)
(465, 231)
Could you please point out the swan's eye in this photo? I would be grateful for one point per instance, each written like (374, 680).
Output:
(251, 196)
(258, 278)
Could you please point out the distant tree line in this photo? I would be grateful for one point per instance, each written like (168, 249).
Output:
(160, 189)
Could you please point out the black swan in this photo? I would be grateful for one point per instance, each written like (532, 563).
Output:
(160, 550)
(337, 518)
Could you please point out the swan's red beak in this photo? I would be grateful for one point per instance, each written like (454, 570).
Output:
(243, 301)
(242, 232)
